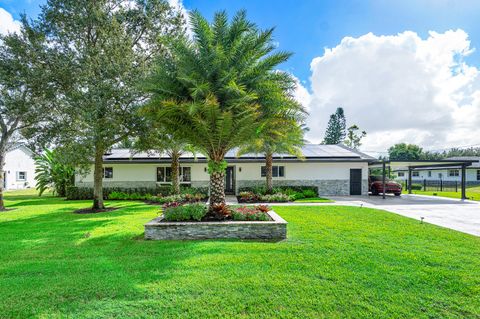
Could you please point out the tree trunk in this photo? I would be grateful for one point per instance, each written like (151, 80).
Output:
(175, 172)
(269, 172)
(217, 188)
(98, 180)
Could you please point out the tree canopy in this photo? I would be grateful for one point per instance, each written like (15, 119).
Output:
(219, 89)
(97, 53)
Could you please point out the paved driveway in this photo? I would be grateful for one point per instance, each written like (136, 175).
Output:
(460, 215)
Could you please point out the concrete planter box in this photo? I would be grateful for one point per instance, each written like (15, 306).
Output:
(276, 229)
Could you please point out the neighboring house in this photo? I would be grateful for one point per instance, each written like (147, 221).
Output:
(450, 174)
(19, 170)
(334, 169)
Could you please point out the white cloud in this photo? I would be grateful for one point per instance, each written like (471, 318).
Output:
(178, 5)
(7, 23)
(399, 88)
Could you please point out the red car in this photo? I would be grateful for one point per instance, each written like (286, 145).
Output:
(391, 187)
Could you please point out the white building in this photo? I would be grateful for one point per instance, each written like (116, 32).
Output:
(447, 174)
(334, 169)
(19, 169)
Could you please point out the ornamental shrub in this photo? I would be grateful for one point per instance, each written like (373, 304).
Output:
(190, 212)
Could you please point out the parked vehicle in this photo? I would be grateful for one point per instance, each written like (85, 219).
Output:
(376, 186)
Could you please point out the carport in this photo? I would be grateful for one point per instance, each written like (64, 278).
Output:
(410, 166)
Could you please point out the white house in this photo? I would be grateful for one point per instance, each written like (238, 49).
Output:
(447, 174)
(334, 169)
(19, 169)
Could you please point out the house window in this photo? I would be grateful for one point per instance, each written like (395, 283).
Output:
(401, 174)
(108, 172)
(415, 174)
(164, 174)
(429, 173)
(21, 176)
(185, 174)
(277, 171)
(478, 174)
(453, 172)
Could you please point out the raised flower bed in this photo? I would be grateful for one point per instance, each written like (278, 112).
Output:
(223, 222)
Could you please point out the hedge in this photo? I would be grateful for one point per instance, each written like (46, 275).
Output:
(283, 189)
(78, 193)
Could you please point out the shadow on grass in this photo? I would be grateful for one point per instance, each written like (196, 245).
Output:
(57, 256)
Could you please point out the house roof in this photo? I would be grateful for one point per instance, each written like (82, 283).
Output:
(311, 152)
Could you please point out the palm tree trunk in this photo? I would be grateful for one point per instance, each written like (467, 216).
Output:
(269, 172)
(175, 165)
(98, 180)
(217, 187)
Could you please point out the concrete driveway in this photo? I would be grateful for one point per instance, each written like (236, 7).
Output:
(459, 215)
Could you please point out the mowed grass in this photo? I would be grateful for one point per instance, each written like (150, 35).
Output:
(314, 200)
(473, 193)
(338, 262)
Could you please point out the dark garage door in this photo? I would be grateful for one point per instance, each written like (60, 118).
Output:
(355, 181)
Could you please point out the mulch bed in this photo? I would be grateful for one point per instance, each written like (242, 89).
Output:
(94, 211)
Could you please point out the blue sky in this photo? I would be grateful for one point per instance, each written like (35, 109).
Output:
(399, 86)
(305, 27)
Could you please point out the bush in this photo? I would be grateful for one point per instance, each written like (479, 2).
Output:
(297, 195)
(417, 187)
(190, 212)
(75, 193)
(288, 190)
(138, 193)
(249, 213)
(309, 193)
(248, 197)
(279, 197)
(221, 211)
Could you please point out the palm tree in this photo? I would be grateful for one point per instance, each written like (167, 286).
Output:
(216, 90)
(283, 136)
(52, 172)
(155, 138)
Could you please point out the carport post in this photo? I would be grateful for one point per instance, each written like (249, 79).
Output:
(383, 178)
(409, 180)
(464, 195)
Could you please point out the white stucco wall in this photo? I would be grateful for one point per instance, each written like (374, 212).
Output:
(243, 171)
(471, 175)
(17, 160)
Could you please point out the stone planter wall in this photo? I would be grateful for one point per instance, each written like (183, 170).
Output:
(264, 230)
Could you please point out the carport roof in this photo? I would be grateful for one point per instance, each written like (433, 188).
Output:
(416, 164)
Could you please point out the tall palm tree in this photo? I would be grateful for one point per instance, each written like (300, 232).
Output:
(216, 90)
(282, 136)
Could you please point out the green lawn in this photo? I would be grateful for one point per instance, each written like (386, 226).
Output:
(338, 262)
(473, 193)
(314, 200)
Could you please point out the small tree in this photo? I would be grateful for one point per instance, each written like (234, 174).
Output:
(155, 138)
(217, 90)
(98, 53)
(335, 133)
(51, 171)
(354, 137)
(280, 136)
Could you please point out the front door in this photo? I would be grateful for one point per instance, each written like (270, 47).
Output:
(230, 180)
(355, 181)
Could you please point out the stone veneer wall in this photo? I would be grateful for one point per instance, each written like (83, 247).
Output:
(325, 187)
(265, 230)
